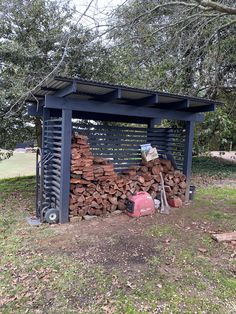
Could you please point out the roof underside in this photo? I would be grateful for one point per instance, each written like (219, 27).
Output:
(78, 88)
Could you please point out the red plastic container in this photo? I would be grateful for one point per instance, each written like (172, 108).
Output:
(140, 204)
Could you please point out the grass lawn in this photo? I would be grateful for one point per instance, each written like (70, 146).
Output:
(214, 167)
(163, 264)
(20, 164)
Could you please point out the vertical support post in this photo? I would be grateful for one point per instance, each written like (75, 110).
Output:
(65, 165)
(151, 125)
(153, 122)
(167, 144)
(188, 155)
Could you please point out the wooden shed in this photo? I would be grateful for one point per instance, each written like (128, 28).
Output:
(65, 104)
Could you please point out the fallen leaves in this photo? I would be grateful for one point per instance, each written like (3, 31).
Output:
(6, 300)
(202, 250)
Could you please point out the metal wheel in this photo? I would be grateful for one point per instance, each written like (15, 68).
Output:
(44, 209)
(52, 216)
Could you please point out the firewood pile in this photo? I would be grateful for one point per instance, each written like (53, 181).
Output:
(97, 189)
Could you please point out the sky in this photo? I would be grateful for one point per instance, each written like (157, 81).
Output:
(97, 11)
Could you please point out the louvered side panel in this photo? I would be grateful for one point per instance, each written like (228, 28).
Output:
(52, 161)
(169, 141)
(120, 144)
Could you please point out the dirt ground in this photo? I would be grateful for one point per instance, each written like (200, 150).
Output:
(118, 264)
(115, 241)
(125, 243)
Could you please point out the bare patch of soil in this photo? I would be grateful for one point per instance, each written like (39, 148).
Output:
(120, 242)
(115, 241)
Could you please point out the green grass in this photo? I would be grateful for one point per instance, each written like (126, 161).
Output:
(213, 167)
(215, 193)
(20, 164)
(161, 230)
(217, 205)
(17, 184)
(177, 279)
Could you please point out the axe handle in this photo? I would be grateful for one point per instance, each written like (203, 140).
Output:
(164, 192)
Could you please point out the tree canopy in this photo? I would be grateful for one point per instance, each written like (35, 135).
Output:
(34, 35)
(185, 47)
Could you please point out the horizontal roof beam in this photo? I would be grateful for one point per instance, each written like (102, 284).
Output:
(118, 109)
(206, 108)
(147, 101)
(116, 94)
(100, 117)
(68, 90)
(183, 104)
(113, 95)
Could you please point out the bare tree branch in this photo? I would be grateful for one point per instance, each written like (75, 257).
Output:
(169, 4)
(23, 97)
(217, 6)
(200, 4)
(219, 29)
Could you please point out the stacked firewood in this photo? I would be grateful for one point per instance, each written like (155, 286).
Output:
(81, 159)
(96, 189)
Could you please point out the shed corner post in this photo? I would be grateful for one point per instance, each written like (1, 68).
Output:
(65, 165)
(152, 122)
(188, 155)
(151, 125)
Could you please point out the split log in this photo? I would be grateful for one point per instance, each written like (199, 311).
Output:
(224, 237)
(182, 185)
(96, 189)
(156, 169)
(141, 179)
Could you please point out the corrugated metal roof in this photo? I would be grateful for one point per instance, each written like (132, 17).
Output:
(91, 89)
